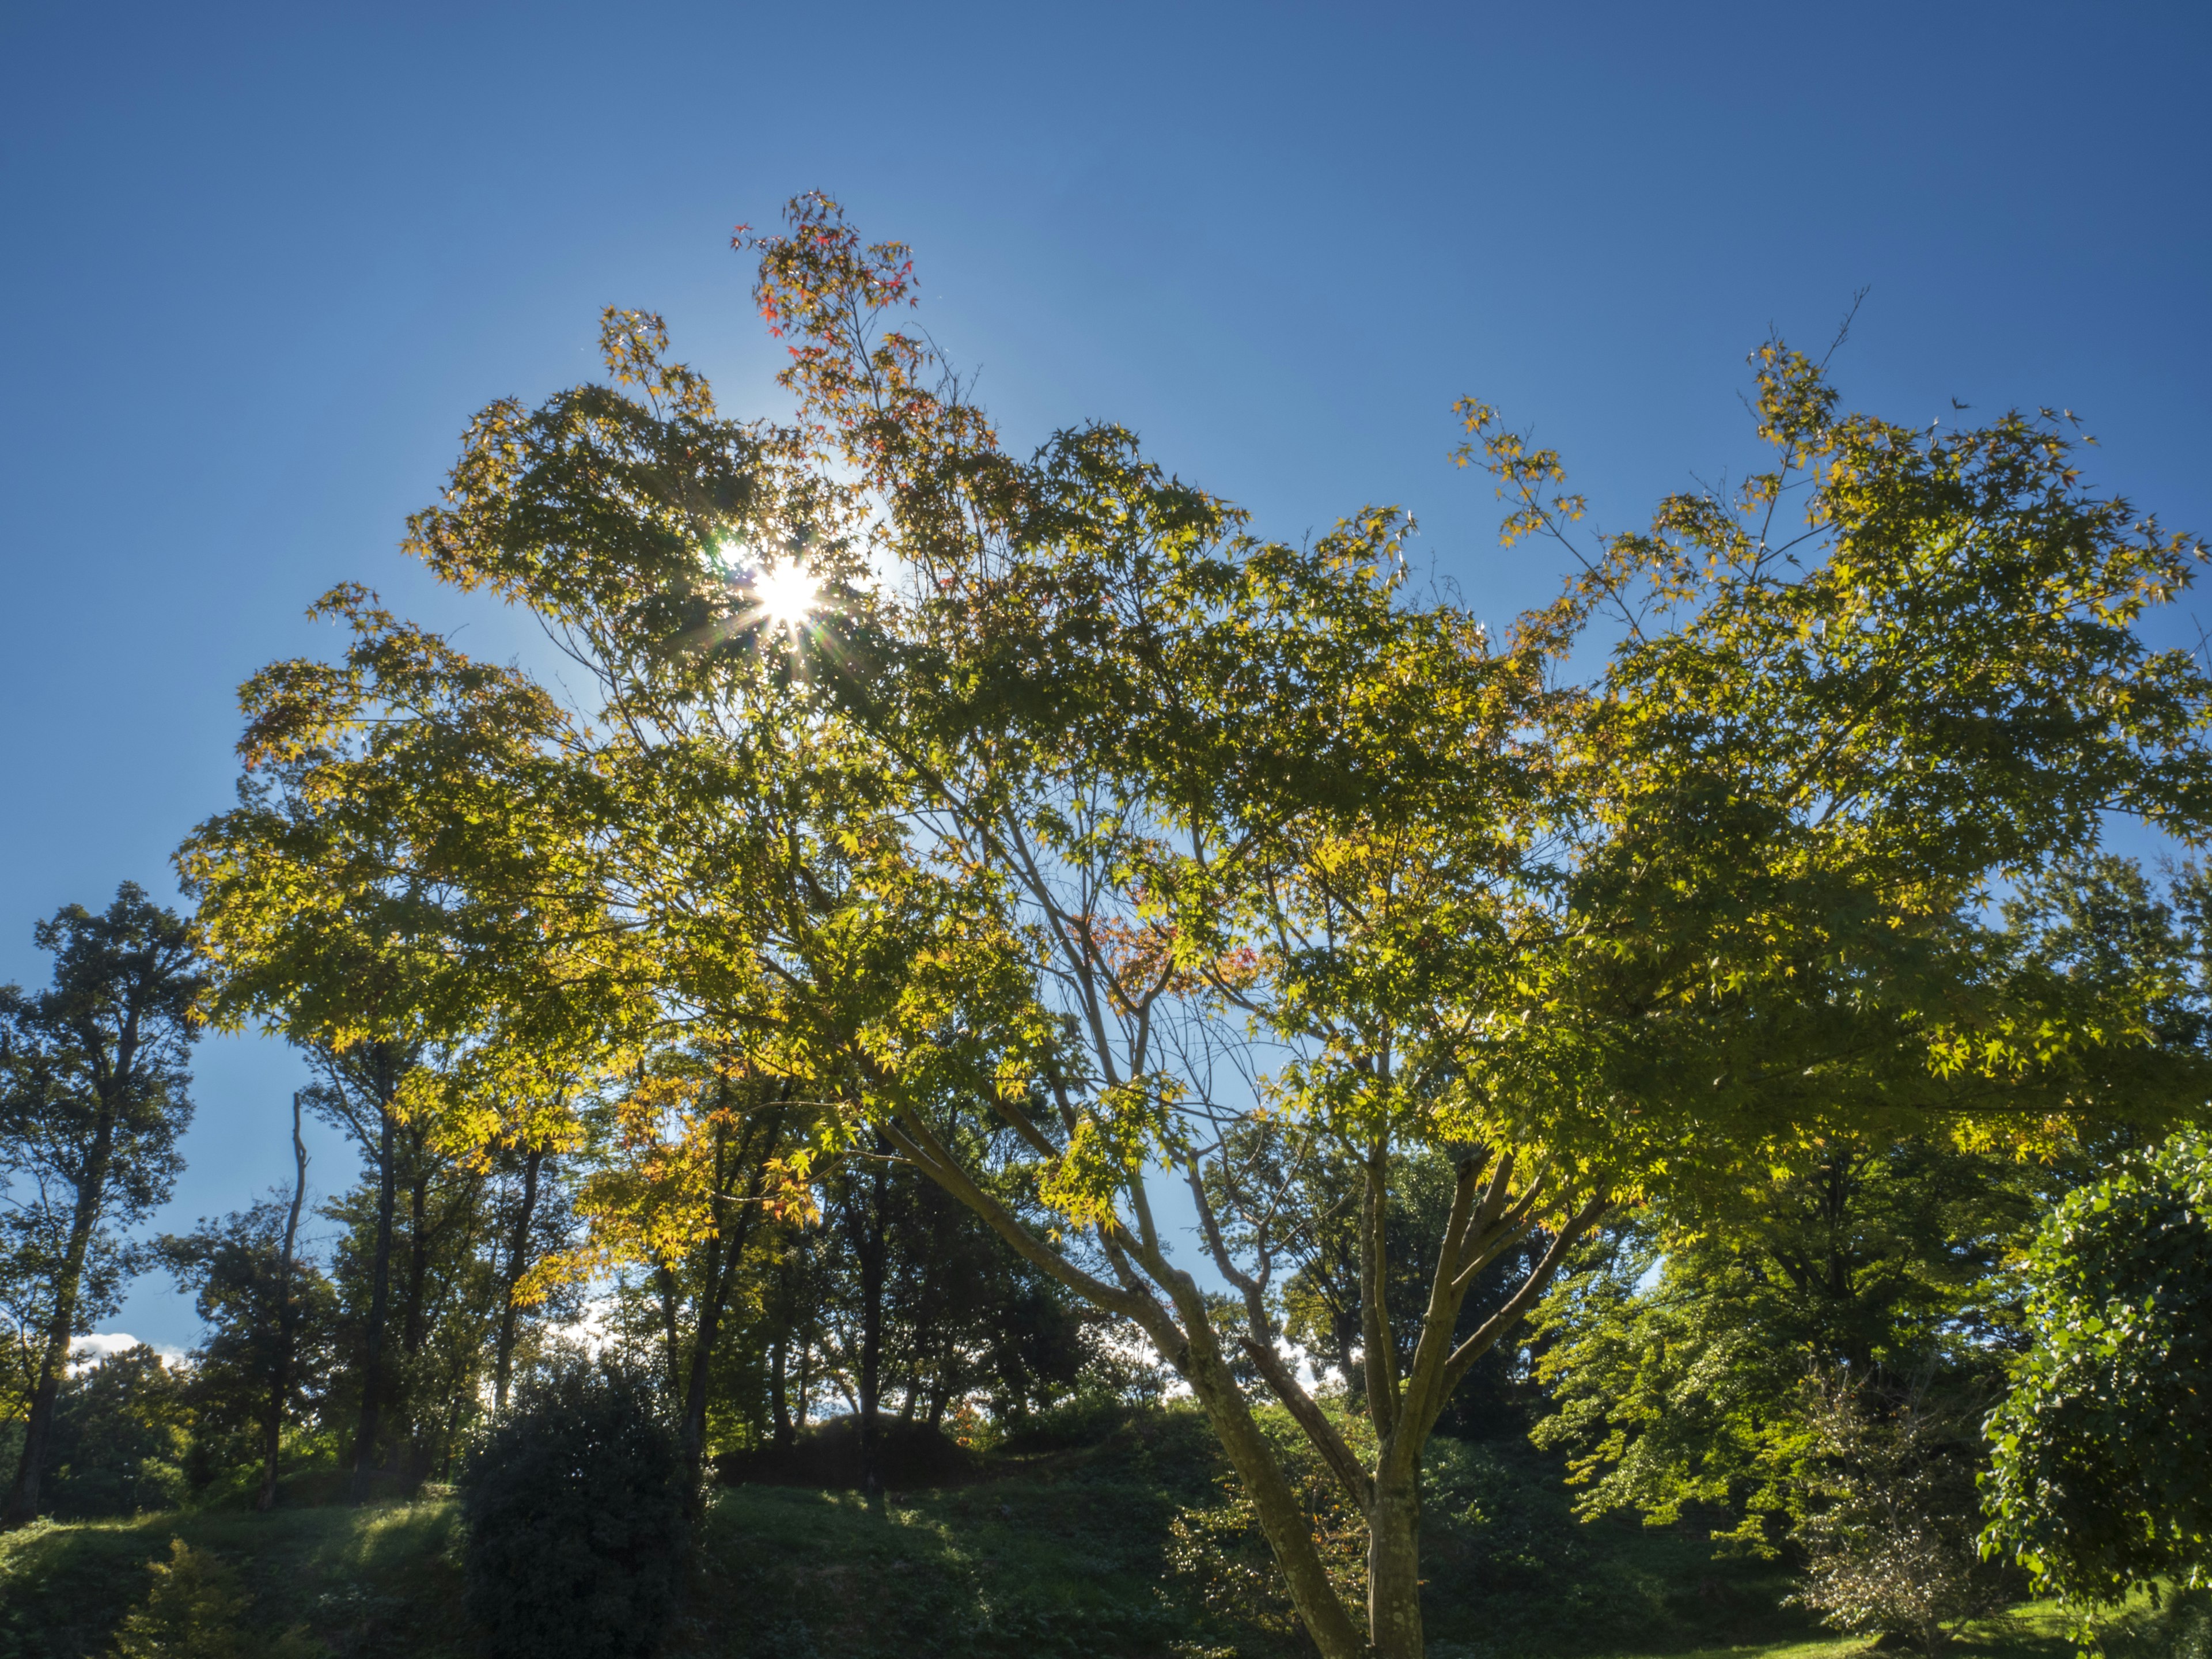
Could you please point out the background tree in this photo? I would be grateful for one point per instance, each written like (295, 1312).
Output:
(92, 1079)
(329, 910)
(535, 1228)
(687, 1199)
(1889, 1540)
(965, 1317)
(2101, 1482)
(271, 1317)
(413, 1200)
(1687, 1353)
(124, 1438)
(1684, 1355)
(1322, 1303)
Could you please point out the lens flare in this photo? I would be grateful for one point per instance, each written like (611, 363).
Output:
(785, 593)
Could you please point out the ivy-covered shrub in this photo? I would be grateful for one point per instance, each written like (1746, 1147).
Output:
(576, 1512)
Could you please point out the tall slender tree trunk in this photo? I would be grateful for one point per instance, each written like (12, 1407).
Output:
(726, 1251)
(664, 1280)
(705, 1336)
(518, 1260)
(280, 1367)
(778, 1395)
(22, 1504)
(413, 1327)
(374, 1360)
(805, 1379)
(868, 1244)
(413, 1388)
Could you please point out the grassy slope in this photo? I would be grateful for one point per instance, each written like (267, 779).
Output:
(1062, 1554)
(376, 1581)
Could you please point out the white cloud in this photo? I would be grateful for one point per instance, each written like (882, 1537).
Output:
(89, 1351)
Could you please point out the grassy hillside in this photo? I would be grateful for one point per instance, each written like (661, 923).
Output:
(1052, 1550)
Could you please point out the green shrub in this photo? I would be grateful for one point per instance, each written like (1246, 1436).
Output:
(2100, 1481)
(576, 1508)
(198, 1610)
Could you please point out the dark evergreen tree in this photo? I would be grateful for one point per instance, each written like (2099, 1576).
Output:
(93, 1098)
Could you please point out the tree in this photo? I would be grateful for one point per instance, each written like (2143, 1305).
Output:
(1889, 1544)
(1099, 833)
(328, 913)
(1685, 1353)
(702, 1144)
(92, 1080)
(2101, 1476)
(340, 903)
(267, 1356)
(122, 1438)
(1721, 898)
(360, 1094)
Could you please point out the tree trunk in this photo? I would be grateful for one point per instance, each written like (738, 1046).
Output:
(664, 1280)
(280, 1368)
(725, 1250)
(410, 1385)
(805, 1380)
(706, 1333)
(779, 1398)
(373, 1385)
(517, 1255)
(868, 1245)
(1282, 1518)
(413, 1310)
(1393, 1564)
(22, 1505)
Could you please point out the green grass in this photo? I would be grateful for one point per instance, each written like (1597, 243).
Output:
(1062, 1553)
(375, 1581)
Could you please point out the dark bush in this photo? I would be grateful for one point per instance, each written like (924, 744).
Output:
(913, 1456)
(576, 1514)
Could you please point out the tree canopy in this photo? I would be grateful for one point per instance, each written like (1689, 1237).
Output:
(1036, 822)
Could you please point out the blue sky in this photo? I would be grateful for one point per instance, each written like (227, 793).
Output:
(260, 265)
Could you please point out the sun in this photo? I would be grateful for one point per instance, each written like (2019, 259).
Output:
(785, 593)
